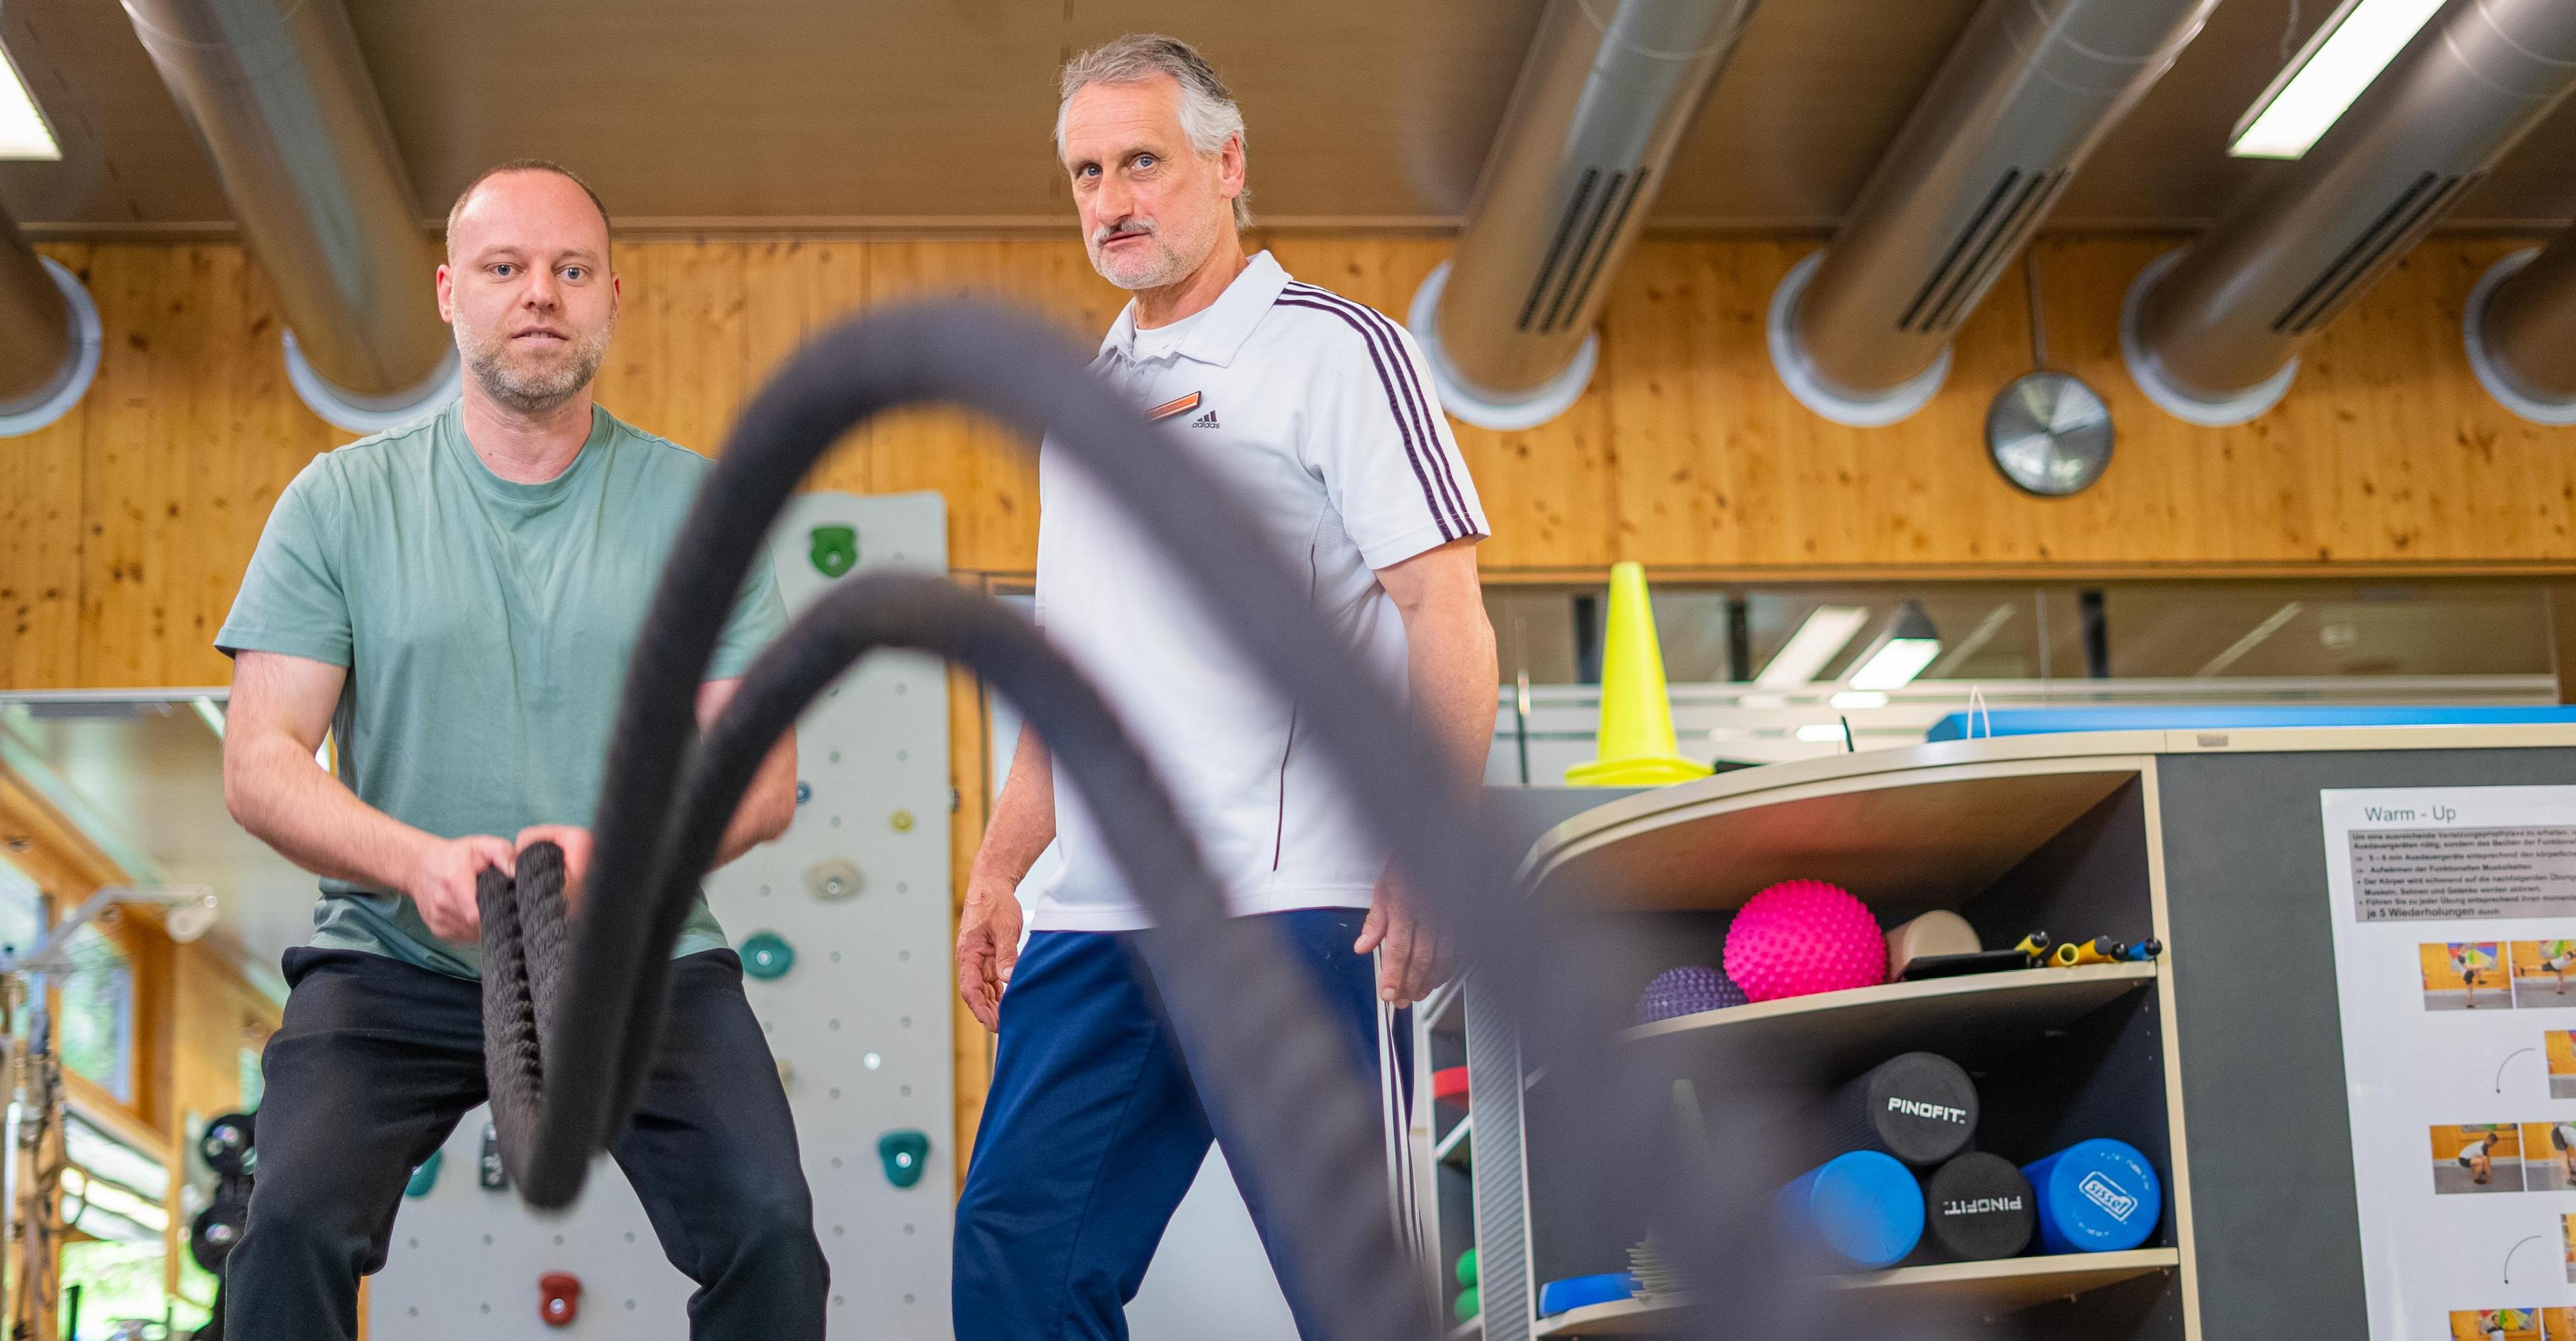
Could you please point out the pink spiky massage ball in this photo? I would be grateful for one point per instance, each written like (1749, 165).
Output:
(1802, 936)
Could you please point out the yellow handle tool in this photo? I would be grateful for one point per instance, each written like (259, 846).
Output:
(2099, 950)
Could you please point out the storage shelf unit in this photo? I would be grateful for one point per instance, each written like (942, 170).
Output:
(2018, 835)
(1965, 1019)
(2210, 840)
(1982, 1289)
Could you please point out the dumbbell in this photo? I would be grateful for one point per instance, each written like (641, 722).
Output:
(228, 1144)
(218, 1229)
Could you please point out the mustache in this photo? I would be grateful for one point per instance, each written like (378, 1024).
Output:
(1122, 228)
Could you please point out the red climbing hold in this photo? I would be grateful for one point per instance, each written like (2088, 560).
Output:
(558, 1298)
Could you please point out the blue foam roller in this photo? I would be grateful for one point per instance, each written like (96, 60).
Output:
(1576, 1291)
(2097, 1196)
(1864, 1206)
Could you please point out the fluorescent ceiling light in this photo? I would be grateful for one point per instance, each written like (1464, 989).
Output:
(1817, 733)
(1902, 655)
(2348, 51)
(23, 133)
(1859, 698)
(1813, 646)
(1896, 662)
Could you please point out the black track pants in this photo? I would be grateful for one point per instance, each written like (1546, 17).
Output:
(376, 1062)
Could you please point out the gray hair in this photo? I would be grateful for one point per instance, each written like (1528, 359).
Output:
(1209, 114)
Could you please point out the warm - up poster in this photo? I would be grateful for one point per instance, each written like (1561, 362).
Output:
(2455, 965)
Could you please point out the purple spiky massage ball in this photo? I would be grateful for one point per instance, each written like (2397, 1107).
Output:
(1687, 990)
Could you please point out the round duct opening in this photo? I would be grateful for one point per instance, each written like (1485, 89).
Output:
(1474, 404)
(2219, 412)
(373, 414)
(79, 369)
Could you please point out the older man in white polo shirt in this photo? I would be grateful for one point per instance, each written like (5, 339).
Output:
(1319, 410)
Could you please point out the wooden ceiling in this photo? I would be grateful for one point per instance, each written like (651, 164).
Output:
(935, 114)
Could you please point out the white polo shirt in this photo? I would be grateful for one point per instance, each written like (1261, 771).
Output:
(1319, 411)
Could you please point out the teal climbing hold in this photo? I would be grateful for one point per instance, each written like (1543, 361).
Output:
(767, 955)
(904, 1152)
(835, 549)
(426, 1176)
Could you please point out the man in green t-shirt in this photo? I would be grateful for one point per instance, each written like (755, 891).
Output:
(454, 603)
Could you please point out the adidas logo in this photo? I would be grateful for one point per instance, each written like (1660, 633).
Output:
(1207, 420)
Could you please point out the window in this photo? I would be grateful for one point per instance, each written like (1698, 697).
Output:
(116, 1199)
(2116, 630)
(96, 1031)
(22, 909)
(1771, 672)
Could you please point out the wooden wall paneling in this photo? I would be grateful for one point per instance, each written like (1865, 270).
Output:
(2137, 513)
(40, 539)
(244, 447)
(142, 388)
(2386, 449)
(697, 330)
(794, 289)
(632, 380)
(990, 480)
(1719, 465)
(191, 411)
(1686, 490)
(125, 528)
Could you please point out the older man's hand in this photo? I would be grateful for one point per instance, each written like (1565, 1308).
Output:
(1415, 958)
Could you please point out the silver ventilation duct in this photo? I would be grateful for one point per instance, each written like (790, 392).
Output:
(1608, 89)
(279, 95)
(49, 336)
(2521, 331)
(2212, 332)
(1860, 331)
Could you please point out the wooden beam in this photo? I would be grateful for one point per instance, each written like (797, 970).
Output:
(46, 847)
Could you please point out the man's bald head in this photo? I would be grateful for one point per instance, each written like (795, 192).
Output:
(515, 167)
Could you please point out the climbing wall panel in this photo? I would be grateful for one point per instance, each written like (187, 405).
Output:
(849, 914)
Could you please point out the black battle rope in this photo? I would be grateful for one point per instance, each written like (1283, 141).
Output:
(1229, 985)
(1291, 1087)
(524, 930)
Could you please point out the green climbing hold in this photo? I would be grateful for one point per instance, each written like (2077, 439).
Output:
(904, 1152)
(1467, 1267)
(835, 549)
(426, 1176)
(1468, 1305)
(767, 955)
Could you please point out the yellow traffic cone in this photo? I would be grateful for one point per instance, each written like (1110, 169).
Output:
(1636, 741)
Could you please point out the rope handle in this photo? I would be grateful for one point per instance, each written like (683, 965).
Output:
(525, 933)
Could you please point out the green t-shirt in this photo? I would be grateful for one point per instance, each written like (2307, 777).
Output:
(486, 626)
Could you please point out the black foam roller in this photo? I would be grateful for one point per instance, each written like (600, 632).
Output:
(1918, 1106)
(1978, 1207)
